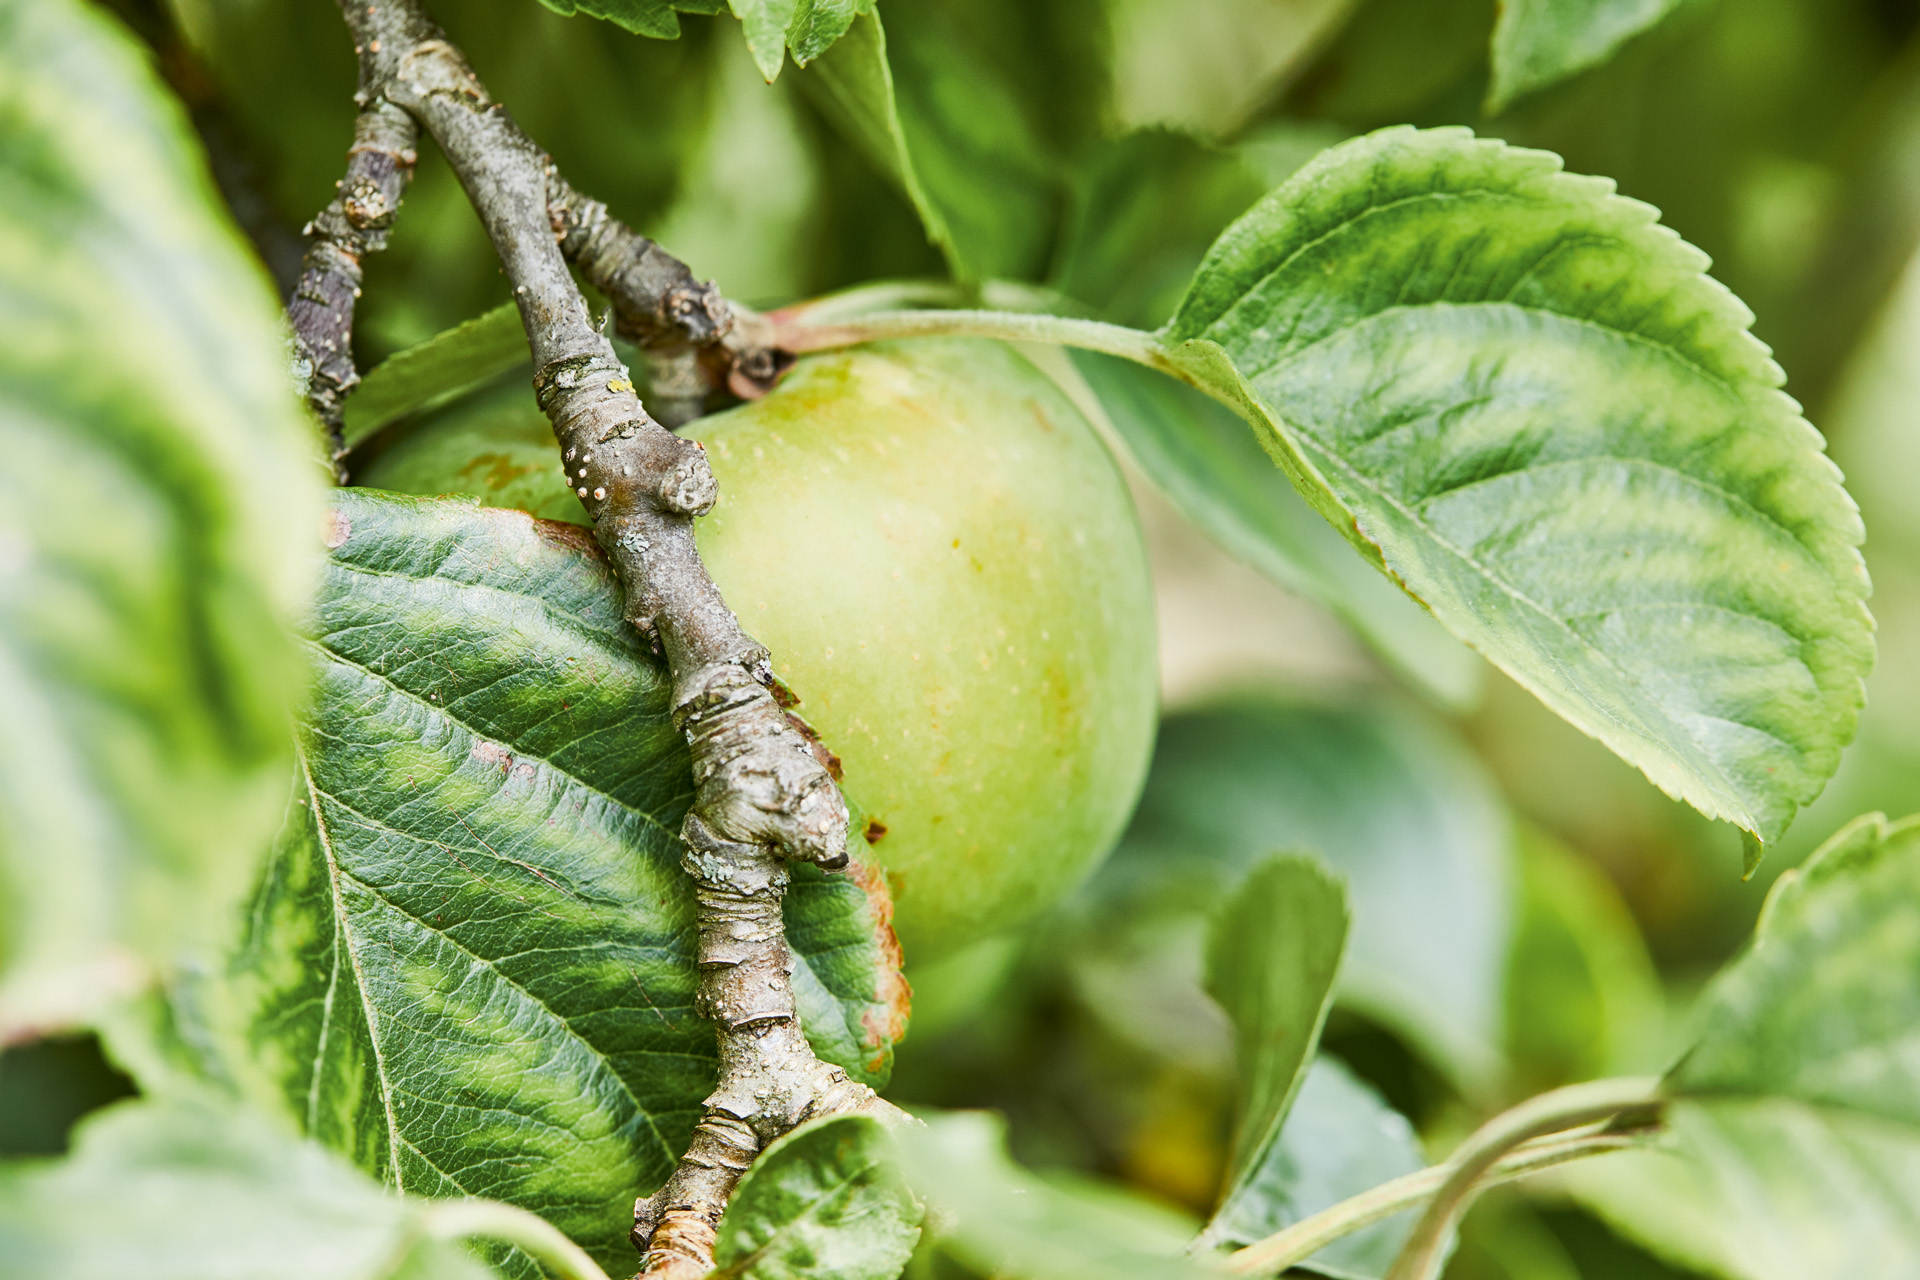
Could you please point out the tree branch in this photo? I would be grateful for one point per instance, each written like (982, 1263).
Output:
(379, 166)
(761, 791)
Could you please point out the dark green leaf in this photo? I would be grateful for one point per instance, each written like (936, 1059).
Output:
(160, 488)
(1271, 959)
(1539, 42)
(657, 18)
(826, 1202)
(1390, 801)
(470, 962)
(1340, 1139)
(1202, 457)
(932, 114)
(1000, 1220)
(494, 444)
(199, 1191)
(436, 371)
(1394, 60)
(1520, 396)
(1794, 1143)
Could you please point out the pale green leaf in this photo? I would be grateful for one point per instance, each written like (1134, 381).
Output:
(933, 114)
(160, 490)
(1540, 42)
(1272, 956)
(430, 374)
(1202, 457)
(816, 24)
(997, 1219)
(1522, 398)
(764, 23)
(469, 964)
(1393, 803)
(1794, 1141)
(826, 1202)
(1340, 1139)
(195, 1190)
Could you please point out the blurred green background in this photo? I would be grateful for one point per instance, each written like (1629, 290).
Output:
(1528, 910)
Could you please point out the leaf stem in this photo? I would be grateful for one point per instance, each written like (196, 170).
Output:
(1303, 1239)
(1466, 1169)
(546, 1243)
(797, 334)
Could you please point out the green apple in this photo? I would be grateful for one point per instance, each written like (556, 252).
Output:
(948, 569)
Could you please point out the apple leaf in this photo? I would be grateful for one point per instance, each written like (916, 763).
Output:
(1794, 1137)
(933, 114)
(190, 1189)
(160, 488)
(1540, 42)
(1201, 456)
(469, 963)
(1391, 802)
(997, 1219)
(1521, 397)
(431, 373)
(1272, 956)
(657, 18)
(1340, 1139)
(827, 1200)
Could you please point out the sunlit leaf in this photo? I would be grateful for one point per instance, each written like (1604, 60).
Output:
(826, 1201)
(1794, 1145)
(194, 1190)
(1539, 42)
(1202, 457)
(1520, 396)
(159, 491)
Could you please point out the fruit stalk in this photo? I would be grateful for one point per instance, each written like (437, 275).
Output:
(762, 793)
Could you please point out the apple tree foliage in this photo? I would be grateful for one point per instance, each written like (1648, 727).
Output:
(348, 819)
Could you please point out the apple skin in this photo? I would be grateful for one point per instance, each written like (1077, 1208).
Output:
(945, 562)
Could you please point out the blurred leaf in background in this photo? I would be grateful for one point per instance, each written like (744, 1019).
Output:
(160, 491)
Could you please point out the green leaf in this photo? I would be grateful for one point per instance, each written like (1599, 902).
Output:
(493, 443)
(1539, 42)
(1583, 999)
(1202, 457)
(1794, 1143)
(817, 24)
(1519, 395)
(160, 487)
(1271, 959)
(997, 1219)
(434, 372)
(764, 22)
(657, 18)
(1391, 802)
(1340, 1140)
(192, 1190)
(934, 114)
(827, 1200)
(469, 964)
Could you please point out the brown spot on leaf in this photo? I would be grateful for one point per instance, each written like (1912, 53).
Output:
(335, 529)
(887, 1023)
(875, 831)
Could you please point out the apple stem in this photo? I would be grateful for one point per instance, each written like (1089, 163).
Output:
(761, 793)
